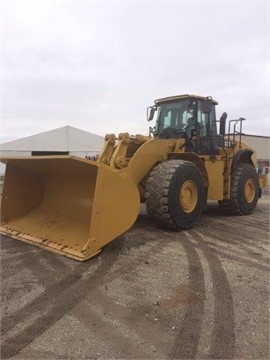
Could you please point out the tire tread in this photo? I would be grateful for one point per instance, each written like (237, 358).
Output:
(157, 192)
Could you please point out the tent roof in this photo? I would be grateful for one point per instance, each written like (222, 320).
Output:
(66, 138)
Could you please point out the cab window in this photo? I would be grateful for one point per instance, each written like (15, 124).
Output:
(202, 120)
(172, 114)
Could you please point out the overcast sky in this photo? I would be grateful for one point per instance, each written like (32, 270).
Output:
(97, 65)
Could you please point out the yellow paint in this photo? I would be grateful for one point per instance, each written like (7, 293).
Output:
(215, 170)
(263, 180)
(67, 204)
(249, 190)
(188, 196)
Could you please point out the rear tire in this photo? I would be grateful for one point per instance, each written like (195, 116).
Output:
(245, 190)
(175, 194)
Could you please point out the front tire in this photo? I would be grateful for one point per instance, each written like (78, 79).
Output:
(175, 194)
(245, 190)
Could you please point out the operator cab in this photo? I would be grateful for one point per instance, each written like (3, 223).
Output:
(190, 117)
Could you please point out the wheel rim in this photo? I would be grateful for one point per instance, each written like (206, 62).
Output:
(249, 190)
(188, 196)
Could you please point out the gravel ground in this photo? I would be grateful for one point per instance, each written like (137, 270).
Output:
(151, 294)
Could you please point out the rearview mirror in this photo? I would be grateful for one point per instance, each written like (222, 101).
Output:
(151, 112)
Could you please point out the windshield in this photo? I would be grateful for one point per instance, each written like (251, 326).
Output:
(175, 114)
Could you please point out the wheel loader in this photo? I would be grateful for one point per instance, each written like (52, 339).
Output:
(75, 206)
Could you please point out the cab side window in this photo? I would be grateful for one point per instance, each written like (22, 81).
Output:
(203, 120)
(167, 119)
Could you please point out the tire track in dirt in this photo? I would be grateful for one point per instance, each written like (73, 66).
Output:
(8, 270)
(228, 235)
(249, 263)
(10, 266)
(223, 251)
(250, 223)
(40, 302)
(57, 294)
(27, 261)
(256, 219)
(187, 340)
(138, 343)
(8, 248)
(44, 263)
(123, 316)
(35, 263)
(230, 231)
(126, 267)
(223, 336)
(60, 298)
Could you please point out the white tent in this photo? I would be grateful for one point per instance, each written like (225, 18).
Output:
(64, 140)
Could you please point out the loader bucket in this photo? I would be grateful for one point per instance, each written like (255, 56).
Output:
(66, 204)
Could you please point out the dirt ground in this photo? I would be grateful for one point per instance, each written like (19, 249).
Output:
(151, 294)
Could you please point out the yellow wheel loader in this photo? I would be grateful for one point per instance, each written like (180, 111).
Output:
(75, 206)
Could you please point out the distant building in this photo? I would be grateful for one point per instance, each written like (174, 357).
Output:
(66, 140)
(261, 145)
